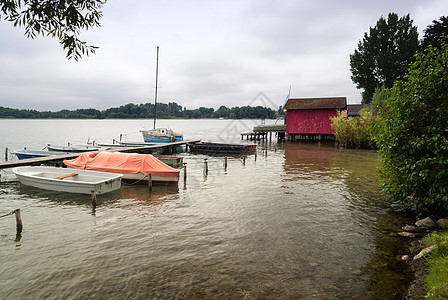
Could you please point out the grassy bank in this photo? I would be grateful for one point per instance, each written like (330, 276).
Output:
(437, 278)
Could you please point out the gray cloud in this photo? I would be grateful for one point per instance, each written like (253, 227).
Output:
(211, 54)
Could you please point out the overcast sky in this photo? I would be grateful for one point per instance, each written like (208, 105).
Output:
(212, 53)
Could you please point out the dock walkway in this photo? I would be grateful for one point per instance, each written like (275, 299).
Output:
(40, 160)
(261, 132)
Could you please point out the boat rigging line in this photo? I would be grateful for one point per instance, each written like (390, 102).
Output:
(157, 79)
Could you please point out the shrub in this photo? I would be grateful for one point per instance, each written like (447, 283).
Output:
(355, 132)
(412, 135)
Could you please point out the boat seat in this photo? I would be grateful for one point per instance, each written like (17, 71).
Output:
(66, 176)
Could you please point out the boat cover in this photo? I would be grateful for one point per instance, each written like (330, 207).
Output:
(117, 162)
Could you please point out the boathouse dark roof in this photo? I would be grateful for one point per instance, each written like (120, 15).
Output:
(316, 103)
(353, 109)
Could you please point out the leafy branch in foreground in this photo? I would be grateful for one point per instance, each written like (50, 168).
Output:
(63, 19)
(412, 134)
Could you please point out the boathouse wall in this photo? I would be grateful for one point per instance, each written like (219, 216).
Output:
(310, 121)
(312, 116)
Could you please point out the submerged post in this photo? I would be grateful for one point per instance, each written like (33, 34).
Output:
(19, 225)
(93, 194)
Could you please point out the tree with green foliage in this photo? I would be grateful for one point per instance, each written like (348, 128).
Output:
(63, 19)
(384, 54)
(412, 134)
(434, 32)
(379, 99)
(144, 111)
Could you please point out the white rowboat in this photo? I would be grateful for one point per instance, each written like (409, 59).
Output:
(68, 180)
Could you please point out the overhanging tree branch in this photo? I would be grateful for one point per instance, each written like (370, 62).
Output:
(63, 19)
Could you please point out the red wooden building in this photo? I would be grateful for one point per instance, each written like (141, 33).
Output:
(309, 118)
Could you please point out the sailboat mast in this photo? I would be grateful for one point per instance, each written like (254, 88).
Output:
(155, 96)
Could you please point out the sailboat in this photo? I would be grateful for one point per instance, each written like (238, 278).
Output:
(160, 135)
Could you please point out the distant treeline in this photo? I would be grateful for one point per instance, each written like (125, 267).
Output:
(171, 110)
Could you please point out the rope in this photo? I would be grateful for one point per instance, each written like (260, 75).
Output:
(135, 182)
(11, 213)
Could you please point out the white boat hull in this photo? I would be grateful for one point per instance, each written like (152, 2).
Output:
(84, 182)
(143, 178)
(161, 135)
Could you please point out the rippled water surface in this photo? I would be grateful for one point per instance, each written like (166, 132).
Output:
(294, 221)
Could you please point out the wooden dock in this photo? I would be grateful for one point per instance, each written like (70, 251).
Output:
(137, 149)
(261, 132)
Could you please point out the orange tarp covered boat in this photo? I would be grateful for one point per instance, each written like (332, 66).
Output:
(133, 166)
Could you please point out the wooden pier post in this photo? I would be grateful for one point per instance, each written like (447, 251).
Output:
(225, 164)
(185, 172)
(206, 166)
(19, 225)
(6, 154)
(93, 194)
(150, 182)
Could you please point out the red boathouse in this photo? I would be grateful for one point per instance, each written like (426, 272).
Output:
(309, 118)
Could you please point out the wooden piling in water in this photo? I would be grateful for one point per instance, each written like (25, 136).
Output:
(19, 225)
(6, 154)
(225, 163)
(185, 172)
(206, 166)
(93, 194)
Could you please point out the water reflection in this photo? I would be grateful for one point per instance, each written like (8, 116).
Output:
(156, 196)
(388, 275)
(300, 222)
(342, 187)
(61, 198)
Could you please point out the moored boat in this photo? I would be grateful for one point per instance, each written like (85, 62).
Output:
(172, 161)
(26, 153)
(71, 149)
(66, 180)
(120, 144)
(161, 135)
(134, 167)
(221, 148)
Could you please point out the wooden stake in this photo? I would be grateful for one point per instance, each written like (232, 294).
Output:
(206, 166)
(150, 182)
(19, 225)
(93, 199)
(225, 163)
(6, 154)
(185, 172)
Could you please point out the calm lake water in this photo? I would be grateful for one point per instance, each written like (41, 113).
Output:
(295, 221)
